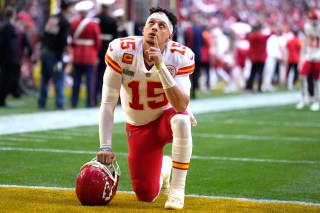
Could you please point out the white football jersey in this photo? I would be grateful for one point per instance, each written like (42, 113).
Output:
(312, 42)
(142, 96)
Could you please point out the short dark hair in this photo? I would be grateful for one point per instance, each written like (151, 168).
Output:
(295, 31)
(9, 12)
(65, 4)
(173, 19)
(257, 27)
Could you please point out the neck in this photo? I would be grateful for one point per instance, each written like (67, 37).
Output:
(146, 57)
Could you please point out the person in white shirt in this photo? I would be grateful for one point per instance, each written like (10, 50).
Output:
(274, 60)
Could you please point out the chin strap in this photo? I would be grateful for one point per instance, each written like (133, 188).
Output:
(110, 169)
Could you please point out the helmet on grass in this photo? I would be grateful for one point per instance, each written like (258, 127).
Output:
(97, 183)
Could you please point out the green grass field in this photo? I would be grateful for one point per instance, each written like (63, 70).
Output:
(270, 153)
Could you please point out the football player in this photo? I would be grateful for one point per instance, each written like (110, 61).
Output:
(310, 58)
(150, 73)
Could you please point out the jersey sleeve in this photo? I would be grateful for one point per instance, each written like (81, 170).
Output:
(113, 55)
(185, 59)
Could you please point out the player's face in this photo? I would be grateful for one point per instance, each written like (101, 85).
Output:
(156, 27)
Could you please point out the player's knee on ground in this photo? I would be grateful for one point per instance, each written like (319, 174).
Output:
(181, 125)
(145, 191)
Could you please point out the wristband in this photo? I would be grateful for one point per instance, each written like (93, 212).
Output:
(106, 148)
(159, 65)
(165, 76)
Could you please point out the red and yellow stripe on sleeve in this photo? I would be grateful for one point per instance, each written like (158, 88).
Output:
(113, 64)
(186, 70)
(179, 165)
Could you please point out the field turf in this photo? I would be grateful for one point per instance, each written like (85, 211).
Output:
(269, 154)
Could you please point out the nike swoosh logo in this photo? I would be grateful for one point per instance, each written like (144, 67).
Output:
(111, 49)
(191, 57)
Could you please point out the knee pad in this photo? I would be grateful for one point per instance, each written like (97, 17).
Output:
(145, 191)
(181, 126)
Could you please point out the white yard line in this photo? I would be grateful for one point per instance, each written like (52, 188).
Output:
(43, 121)
(206, 158)
(255, 138)
(302, 123)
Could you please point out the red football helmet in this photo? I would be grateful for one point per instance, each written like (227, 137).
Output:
(97, 183)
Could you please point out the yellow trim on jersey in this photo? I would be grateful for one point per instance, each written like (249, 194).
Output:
(114, 65)
(181, 166)
(186, 70)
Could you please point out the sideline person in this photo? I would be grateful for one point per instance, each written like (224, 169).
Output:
(86, 44)
(108, 27)
(13, 44)
(150, 73)
(310, 62)
(54, 45)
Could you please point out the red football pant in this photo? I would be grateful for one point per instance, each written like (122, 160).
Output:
(145, 154)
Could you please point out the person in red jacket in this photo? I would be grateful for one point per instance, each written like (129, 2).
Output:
(293, 47)
(257, 55)
(85, 46)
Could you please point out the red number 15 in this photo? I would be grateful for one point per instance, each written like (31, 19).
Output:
(151, 93)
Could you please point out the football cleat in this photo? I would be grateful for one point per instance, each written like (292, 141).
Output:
(174, 202)
(315, 106)
(97, 183)
(300, 105)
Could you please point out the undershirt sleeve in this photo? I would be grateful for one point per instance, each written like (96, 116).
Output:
(110, 95)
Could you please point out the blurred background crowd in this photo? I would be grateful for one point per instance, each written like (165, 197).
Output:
(220, 32)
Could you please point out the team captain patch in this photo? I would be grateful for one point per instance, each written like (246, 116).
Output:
(127, 58)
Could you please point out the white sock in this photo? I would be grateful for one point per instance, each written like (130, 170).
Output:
(165, 169)
(181, 152)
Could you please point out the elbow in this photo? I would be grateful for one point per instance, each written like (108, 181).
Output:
(181, 107)
(178, 101)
